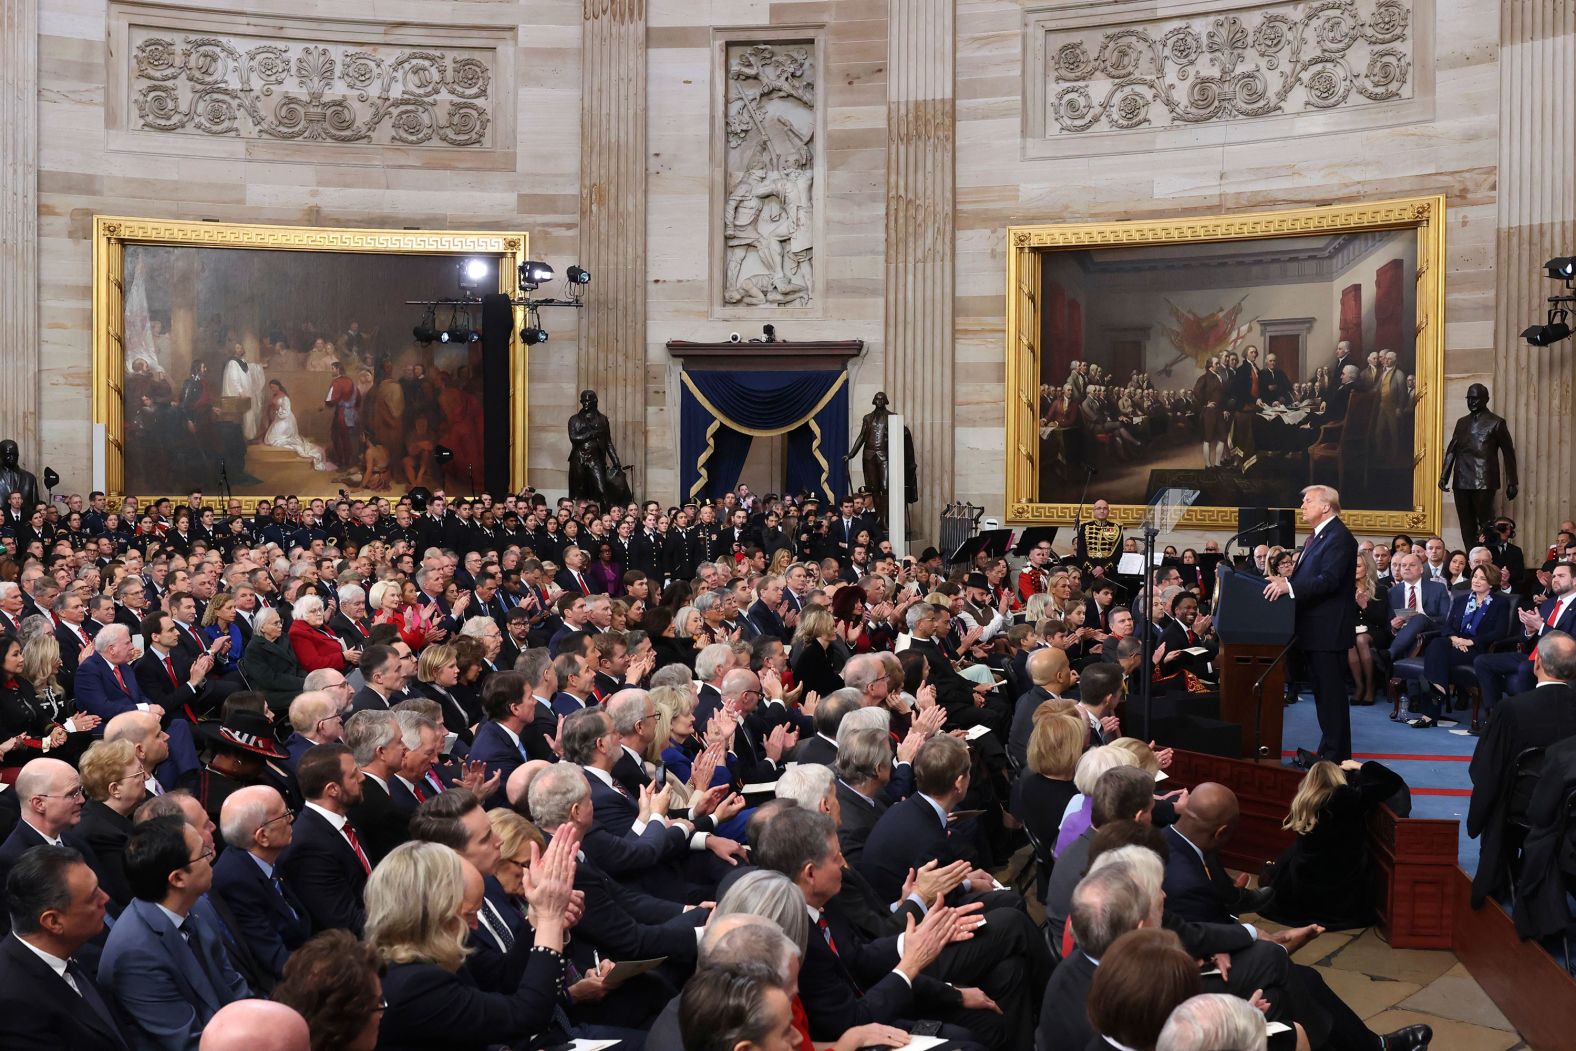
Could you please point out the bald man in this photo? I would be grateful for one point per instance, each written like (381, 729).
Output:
(256, 1025)
(1051, 675)
(1197, 885)
(49, 793)
(257, 828)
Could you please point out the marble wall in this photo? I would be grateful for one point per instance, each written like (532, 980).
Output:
(941, 123)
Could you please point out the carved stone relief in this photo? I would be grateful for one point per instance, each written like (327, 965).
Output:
(257, 88)
(1259, 60)
(768, 217)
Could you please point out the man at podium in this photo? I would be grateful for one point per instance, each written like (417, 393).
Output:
(1322, 585)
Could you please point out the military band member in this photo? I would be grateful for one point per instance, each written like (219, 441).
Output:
(1098, 542)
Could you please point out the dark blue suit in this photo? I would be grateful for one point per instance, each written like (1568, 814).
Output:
(325, 874)
(494, 747)
(431, 1007)
(652, 861)
(1322, 584)
(1502, 673)
(97, 692)
(567, 704)
(1488, 626)
(908, 835)
(766, 621)
(168, 988)
(273, 922)
(39, 1012)
(1434, 601)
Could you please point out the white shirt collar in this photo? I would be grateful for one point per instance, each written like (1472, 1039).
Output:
(336, 820)
(55, 963)
(54, 841)
(600, 774)
(175, 918)
(1320, 527)
(381, 783)
(512, 735)
(268, 870)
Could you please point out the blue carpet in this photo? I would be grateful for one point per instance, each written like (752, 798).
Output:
(1437, 773)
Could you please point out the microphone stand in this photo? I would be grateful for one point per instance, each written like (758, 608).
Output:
(1258, 700)
(1078, 515)
(1262, 527)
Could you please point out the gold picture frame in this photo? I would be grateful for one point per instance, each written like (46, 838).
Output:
(113, 235)
(1030, 247)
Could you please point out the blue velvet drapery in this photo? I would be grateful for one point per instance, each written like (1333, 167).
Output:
(721, 413)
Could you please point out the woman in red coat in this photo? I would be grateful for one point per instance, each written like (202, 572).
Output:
(315, 644)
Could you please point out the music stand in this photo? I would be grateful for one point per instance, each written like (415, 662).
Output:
(1161, 516)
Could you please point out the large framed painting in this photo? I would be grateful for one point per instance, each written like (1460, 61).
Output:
(268, 360)
(1244, 356)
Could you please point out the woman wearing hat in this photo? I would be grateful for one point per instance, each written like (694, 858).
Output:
(237, 757)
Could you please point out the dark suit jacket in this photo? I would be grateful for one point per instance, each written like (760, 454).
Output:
(567, 704)
(1023, 723)
(817, 750)
(39, 1012)
(1322, 584)
(378, 823)
(566, 580)
(625, 924)
(106, 833)
(766, 621)
(494, 747)
(1492, 626)
(908, 835)
(71, 643)
(1064, 1015)
(1194, 892)
(272, 925)
(167, 988)
(1434, 598)
(630, 773)
(812, 666)
(347, 630)
(325, 874)
(859, 817)
(154, 679)
(431, 1007)
(856, 985)
(368, 699)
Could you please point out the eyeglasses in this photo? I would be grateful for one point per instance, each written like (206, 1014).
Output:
(383, 1005)
(516, 862)
(288, 816)
(75, 793)
(206, 855)
(140, 775)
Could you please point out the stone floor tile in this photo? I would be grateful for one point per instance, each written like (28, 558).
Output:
(1449, 1035)
(1458, 997)
(1370, 954)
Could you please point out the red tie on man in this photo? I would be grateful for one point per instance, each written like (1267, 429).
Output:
(415, 789)
(116, 669)
(355, 844)
(169, 667)
(1554, 618)
(1411, 596)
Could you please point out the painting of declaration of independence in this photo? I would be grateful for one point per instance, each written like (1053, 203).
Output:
(1244, 369)
(294, 372)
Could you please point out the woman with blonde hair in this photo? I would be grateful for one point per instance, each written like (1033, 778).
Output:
(219, 622)
(1323, 877)
(437, 675)
(779, 563)
(1043, 790)
(41, 666)
(114, 782)
(812, 657)
(421, 901)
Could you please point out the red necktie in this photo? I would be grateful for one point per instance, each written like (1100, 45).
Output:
(355, 844)
(169, 666)
(116, 669)
(84, 635)
(415, 788)
(826, 932)
(1554, 614)
(1411, 596)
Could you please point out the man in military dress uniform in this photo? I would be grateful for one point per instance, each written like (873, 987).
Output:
(1098, 543)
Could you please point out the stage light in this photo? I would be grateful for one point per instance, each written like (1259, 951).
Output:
(472, 273)
(1557, 328)
(577, 275)
(534, 274)
(533, 336)
(426, 330)
(459, 329)
(1562, 268)
(443, 454)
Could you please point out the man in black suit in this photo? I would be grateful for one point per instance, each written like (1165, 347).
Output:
(378, 747)
(829, 713)
(968, 703)
(842, 529)
(847, 980)
(1326, 617)
(1545, 715)
(869, 781)
(349, 621)
(49, 793)
(1051, 674)
(168, 675)
(763, 615)
(47, 1001)
(272, 920)
(384, 672)
(74, 631)
(326, 863)
(1197, 885)
(918, 830)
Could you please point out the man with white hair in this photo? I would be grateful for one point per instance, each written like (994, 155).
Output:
(711, 664)
(1214, 1022)
(350, 621)
(105, 685)
(316, 717)
(377, 744)
(257, 827)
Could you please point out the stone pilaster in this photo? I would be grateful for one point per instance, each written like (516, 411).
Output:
(918, 365)
(612, 358)
(19, 391)
(1533, 386)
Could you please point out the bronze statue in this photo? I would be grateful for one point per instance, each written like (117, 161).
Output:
(874, 434)
(595, 471)
(1472, 463)
(13, 479)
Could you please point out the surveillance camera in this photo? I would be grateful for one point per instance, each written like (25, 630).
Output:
(734, 337)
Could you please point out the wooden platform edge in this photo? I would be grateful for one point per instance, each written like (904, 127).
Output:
(1528, 986)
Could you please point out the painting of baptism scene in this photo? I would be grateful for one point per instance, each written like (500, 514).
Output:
(1243, 369)
(295, 372)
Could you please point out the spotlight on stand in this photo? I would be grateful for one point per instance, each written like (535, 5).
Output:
(459, 330)
(472, 273)
(51, 479)
(1557, 328)
(577, 275)
(534, 274)
(532, 336)
(443, 454)
(1562, 268)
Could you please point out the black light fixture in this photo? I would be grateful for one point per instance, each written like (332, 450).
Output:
(443, 454)
(1555, 329)
(51, 479)
(532, 336)
(534, 274)
(1561, 268)
(426, 330)
(459, 329)
(577, 275)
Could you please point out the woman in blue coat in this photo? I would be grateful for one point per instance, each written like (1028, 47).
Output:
(1479, 617)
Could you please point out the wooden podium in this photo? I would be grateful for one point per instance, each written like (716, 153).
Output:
(1253, 632)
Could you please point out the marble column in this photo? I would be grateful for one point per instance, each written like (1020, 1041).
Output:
(918, 367)
(612, 358)
(19, 390)
(1533, 386)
